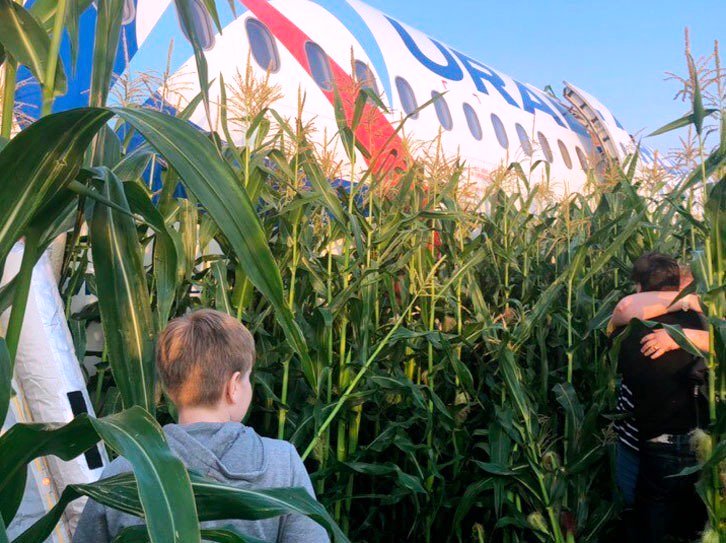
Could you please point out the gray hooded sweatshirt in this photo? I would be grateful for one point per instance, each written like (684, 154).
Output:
(230, 453)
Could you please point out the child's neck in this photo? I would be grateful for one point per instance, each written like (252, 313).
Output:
(190, 415)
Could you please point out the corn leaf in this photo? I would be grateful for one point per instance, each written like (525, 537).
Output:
(165, 254)
(44, 11)
(716, 213)
(139, 534)
(6, 377)
(164, 493)
(686, 120)
(219, 268)
(123, 297)
(108, 31)
(214, 185)
(28, 43)
(163, 483)
(186, 18)
(38, 163)
(214, 502)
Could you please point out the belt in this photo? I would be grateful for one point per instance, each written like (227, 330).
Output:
(671, 439)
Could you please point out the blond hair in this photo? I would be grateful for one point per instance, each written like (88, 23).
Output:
(197, 354)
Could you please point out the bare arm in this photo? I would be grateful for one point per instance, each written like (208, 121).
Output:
(659, 342)
(648, 305)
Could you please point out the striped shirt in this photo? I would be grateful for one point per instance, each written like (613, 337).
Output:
(625, 425)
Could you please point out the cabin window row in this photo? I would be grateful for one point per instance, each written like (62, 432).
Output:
(264, 51)
(411, 109)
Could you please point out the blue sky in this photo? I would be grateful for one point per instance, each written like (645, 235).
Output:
(617, 51)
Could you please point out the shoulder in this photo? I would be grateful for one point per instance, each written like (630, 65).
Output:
(279, 448)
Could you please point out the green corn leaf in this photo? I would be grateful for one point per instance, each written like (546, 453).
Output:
(224, 111)
(108, 31)
(12, 496)
(214, 185)
(165, 253)
(686, 120)
(699, 113)
(164, 487)
(48, 222)
(6, 377)
(214, 502)
(221, 298)
(73, 15)
(187, 17)
(82, 190)
(211, 6)
(123, 297)
(469, 499)
(189, 236)
(613, 248)
(712, 164)
(322, 184)
(25, 39)
(164, 495)
(139, 534)
(405, 480)
(38, 163)
(24, 442)
(716, 213)
(567, 398)
(107, 149)
(131, 167)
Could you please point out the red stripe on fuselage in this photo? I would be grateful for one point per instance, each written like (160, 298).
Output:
(374, 131)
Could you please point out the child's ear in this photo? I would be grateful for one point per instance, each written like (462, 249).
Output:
(234, 385)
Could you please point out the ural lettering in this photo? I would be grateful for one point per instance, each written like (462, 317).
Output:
(531, 102)
(480, 73)
(451, 70)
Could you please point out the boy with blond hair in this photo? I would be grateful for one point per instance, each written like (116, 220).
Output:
(204, 360)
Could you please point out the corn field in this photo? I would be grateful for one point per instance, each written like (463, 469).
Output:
(441, 366)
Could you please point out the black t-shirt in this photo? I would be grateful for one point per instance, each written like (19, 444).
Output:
(663, 388)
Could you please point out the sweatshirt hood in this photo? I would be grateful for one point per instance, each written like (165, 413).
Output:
(221, 451)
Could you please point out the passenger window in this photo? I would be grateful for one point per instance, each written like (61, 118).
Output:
(545, 145)
(408, 98)
(500, 131)
(263, 46)
(581, 157)
(442, 110)
(472, 119)
(523, 139)
(365, 77)
(565, 154)
(203, 25)
(319, 66)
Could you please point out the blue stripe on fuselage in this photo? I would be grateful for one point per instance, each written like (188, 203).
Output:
(484, 78)
(352, 20)
(29, 95)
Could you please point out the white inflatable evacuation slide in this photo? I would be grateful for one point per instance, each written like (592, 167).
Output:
(49, 387)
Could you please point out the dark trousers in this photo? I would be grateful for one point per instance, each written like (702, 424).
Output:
(627, 465)
(667, 505)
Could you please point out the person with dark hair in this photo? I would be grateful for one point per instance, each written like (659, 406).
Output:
(662, 400)
(656, 271)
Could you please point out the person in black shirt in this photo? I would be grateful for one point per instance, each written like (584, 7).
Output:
(667, 409)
